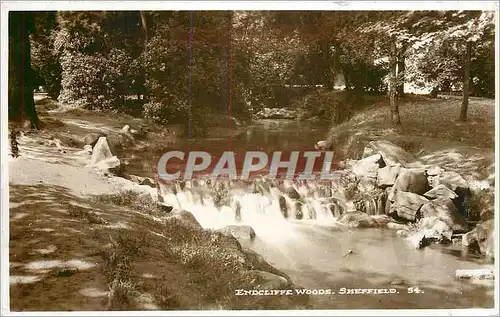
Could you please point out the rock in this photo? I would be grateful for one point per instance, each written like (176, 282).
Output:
(142, 180)
(357, 220)
(448, 212)
(428, 210)
(391, 153)
(432, 230)
(125, 129)
(417, 240)
(382, 220)
(485, 232)
(434, 171)
(410, 180)
(436, 229)
(164, 207)
(107, 164)
(243, 233)
(480, 274)
(402, 233)
(441, 191)
(92, 138)
(322, 145)
(386, 176)
(469, 238)
(396, 226)
(101, 151)
(148, 181)
(185, 217)
(367, 167)
(453, 180)
(269, 281)
(407, 205)
(88, 149)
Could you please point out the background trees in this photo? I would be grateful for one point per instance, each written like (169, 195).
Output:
(187, 67)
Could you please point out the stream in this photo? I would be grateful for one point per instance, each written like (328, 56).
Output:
(315, 252)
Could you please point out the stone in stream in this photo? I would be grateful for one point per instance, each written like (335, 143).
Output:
(407, 205)
(469, 238)
(441, 191)
(485, 232)
(357, 220)
(283, 206)
(386, 176)
(242, 233)
(367, 167)
(298, 210)
(410, 180)
(448, 212)
(434, 171)
(453, 180)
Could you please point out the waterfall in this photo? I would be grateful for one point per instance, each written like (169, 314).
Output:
(271, 207)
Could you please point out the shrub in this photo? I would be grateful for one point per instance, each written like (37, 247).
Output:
(337, 106)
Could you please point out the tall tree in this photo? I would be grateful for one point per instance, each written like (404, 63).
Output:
(21, 85)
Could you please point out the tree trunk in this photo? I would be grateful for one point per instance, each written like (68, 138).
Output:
(144, 22)
(393, 100)
(21, 102)
(466, 84)
(328, 76)
(401, 70)
(347, 81)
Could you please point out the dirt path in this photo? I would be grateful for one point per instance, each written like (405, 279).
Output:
(56, 232)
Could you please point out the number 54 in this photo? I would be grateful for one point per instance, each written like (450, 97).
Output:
(414, 290)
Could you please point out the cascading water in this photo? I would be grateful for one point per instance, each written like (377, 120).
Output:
(272, 208)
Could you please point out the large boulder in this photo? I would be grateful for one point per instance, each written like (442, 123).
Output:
(410, 180)
(453, 180)
(407, 205)
(101, 151)
(386, 176)
(357, 220)
(367, 167)
(243, 233)
(391, 153)
(102, 157)
(486, 238)
(432, 230)
(445, 210)
(441, 191)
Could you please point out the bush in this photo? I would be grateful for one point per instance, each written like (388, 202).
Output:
(337, 106)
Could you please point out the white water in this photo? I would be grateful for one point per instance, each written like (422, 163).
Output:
(262, 210)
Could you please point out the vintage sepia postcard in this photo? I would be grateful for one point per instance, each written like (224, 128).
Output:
(249, 158)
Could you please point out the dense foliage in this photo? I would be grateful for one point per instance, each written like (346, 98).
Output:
(188, 67)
